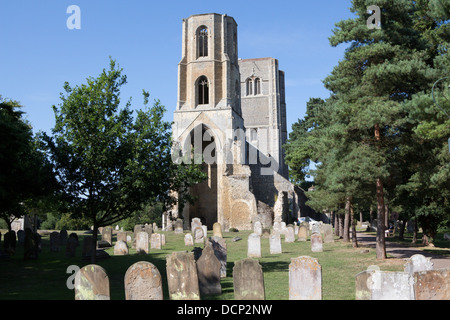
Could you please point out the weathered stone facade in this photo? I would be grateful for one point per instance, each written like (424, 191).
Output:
(231, 117)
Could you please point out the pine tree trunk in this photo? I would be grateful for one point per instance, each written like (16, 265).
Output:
(341, 225)
(336, 224)
(380, 242)
(353, 222)
(346, 235)
(94, 244)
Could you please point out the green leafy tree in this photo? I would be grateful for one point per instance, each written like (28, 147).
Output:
(25, 174)
(110, 164)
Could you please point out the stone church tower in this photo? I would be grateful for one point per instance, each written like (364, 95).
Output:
(216, 103)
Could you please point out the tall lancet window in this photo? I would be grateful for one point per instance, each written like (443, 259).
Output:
(202, 41)
(257, 86)
(203, 90)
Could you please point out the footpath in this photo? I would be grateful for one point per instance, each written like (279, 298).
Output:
(403, 251)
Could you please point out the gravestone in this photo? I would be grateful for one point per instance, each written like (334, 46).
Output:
(316, 242)
(143, 282)
(257, 228)
(31, 245)
(63, 237)
(248, 280)
(155, 241)
(9, 242)
(138, 228)
(88, 243)
(208, 272)
(182, 276)
(163, 239)
(196, 222)
(20, 237)
(199, 236)
(142, 242)
(418, 263)
(315, 228)
(384, 285)
(220, 250)
(275, 243)
(54, 241)
(121, 248)
(178, 226)
(122, 236)
(254, 246)
(107, 235)
(265, 233)
(71, 246)
(92, 283)
(302, 233)
(217, 230)
(305, 279)
(327, 231)
(149, 229)
(290, 235)
(188, 240)
(432, 284)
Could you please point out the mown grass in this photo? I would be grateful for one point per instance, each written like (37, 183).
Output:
(45, 278)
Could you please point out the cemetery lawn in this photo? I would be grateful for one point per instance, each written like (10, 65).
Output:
(45, 278)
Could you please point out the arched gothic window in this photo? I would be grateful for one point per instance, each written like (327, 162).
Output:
(203, 90)
(202, 37)
(257, 86)
(249, 85)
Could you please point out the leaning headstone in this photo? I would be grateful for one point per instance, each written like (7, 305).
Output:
(121, 248)
(142, 242)
(316, 242)
(290, 235)
(275, 243)
(418, 263)
(143, 282)
(199, 236)
(248, 280)
(178, 226)
(220, 251)
(208, 271)
(188, 240)
(432, 284)
(182, 276)
(305, 279)
(254, 246)
(302, 233)
(217, 230)
(155, 241)
(54, 241)
(257, 228)
(92, 283)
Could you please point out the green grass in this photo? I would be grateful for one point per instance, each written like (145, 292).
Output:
(46, 277)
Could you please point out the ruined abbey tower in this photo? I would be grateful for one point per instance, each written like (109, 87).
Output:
(231, 112)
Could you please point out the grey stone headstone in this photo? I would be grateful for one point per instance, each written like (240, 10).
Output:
(275, 243)
(316, 242)
(142, 242)
(199, 235)
(208, 271)
(178, 226)
(432, 284)
(188, 240)
(418, 263)
(305, 279)
(143, 282)
(290, 235)
(182, 278)
(121, 248)
(54, 241)
(155, 241)
(92, 283)
(302, 233)
(254, 246)
(248, 280)
(220, 250)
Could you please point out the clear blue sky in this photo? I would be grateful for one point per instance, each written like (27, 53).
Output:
(39, 53)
